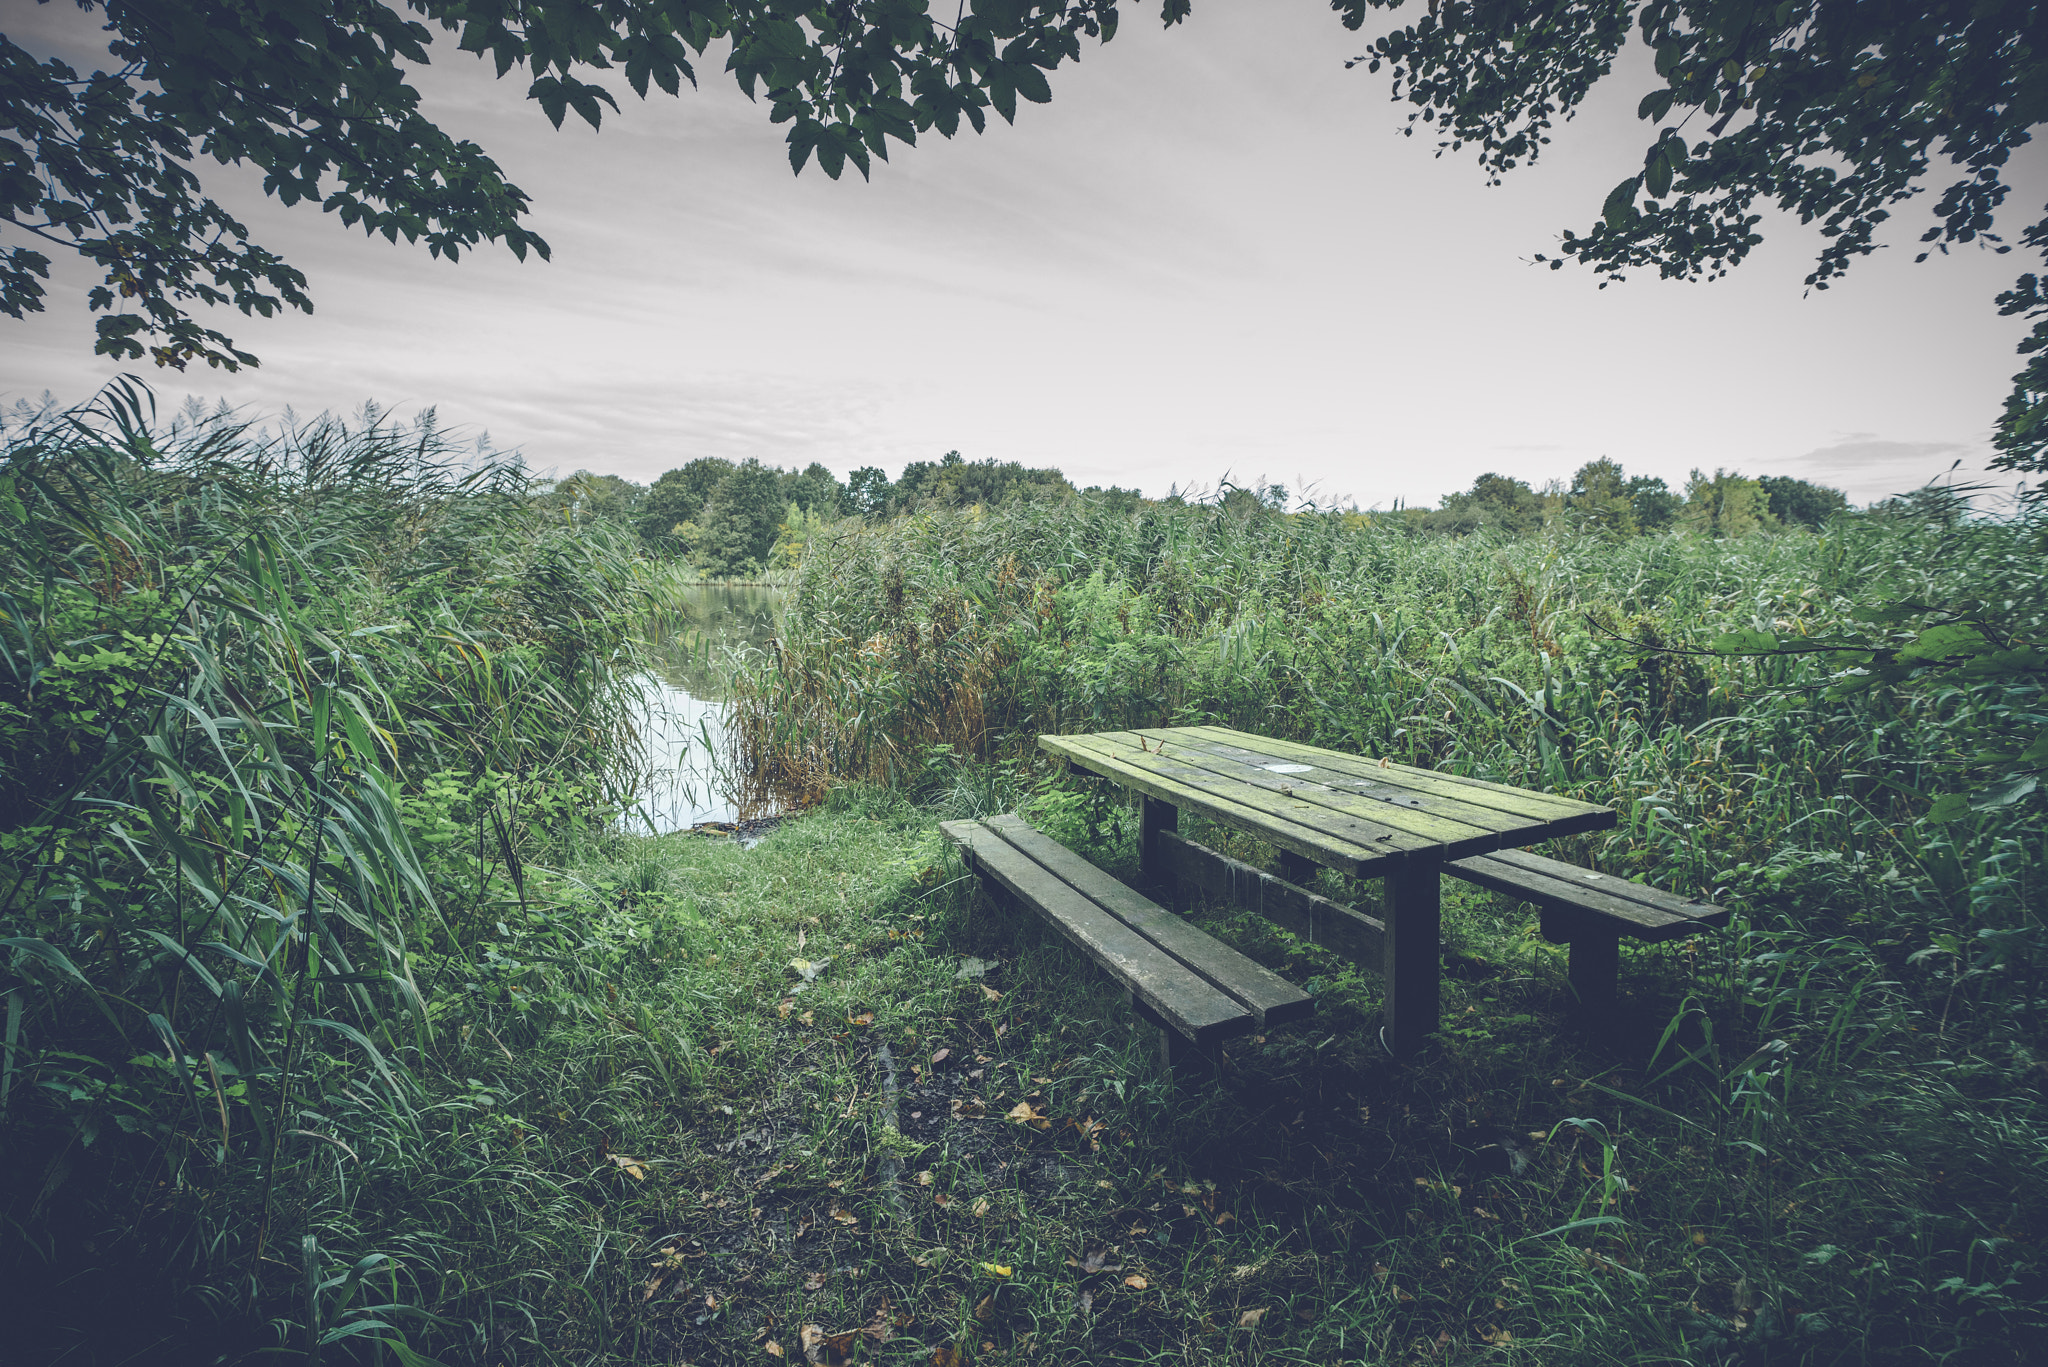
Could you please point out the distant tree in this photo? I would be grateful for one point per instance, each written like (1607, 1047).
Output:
(736, 529)
(956, 482)
(588, 497)
(868, 491)
(676, 499)
(1498, 502)
(1656, 507)
(1598, 500)
(814, 490)
(1794, 502)
(1726, 505)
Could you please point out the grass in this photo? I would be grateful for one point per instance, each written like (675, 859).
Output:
(732, 1169)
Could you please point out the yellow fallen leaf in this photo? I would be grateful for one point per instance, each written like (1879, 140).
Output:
(924, 1179)
(782, 1009)
(805, 1018)
(1250, 1318)
(861, 1018)
(995, 1269)
(980, 1206)
(633, 1167)
(991, 993)
(1135, 1282)
(772, 1348)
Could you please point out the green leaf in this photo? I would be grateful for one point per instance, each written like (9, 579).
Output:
(2002, 794)
(2037, 753)
(1949, 807)
(1656, 104)
(1657, 173)
(1620, 208)
(1743, 643)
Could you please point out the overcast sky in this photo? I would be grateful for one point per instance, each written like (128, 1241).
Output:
(1212, 254)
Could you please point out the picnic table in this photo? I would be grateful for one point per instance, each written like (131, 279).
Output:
(1368, 818)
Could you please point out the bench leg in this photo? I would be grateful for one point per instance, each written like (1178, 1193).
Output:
(1595, 969)
(1189, 1064)
(1155, 816)
(1410, 957)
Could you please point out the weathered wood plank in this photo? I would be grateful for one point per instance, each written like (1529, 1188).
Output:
(1281, 810)
(1193, 1007)
(1307, 770)
(1350, 934)
(1656, 898)
(1427, 816)
(1270, 998)
(1628, 908)
(1325, 849)
(1558, 815)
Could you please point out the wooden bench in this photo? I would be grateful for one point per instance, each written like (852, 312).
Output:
(1589, 911)
(1197, 989)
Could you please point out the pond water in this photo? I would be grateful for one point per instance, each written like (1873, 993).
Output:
(682, 785)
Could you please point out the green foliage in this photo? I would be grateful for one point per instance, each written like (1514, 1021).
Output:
(952, 481)
(287, 718)
(1599, 500)
(677, 498)
(736, 527)
(1725, 505)
(1796, 503)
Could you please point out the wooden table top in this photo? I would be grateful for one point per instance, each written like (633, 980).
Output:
(1346, 812)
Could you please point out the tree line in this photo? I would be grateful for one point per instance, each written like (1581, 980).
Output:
(736, 519)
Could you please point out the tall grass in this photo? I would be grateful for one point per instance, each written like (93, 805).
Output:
(284, 717)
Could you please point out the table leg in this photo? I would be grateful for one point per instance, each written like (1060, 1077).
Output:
(1297, 869)
(1412, 967)
(1155, 816)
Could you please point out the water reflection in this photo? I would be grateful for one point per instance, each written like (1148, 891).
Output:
(686, 698)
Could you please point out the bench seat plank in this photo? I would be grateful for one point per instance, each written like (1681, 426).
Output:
(1632, 909)
(1270, 998)
(1194, 1008)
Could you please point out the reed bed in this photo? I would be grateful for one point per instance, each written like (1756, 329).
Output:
(288, 715)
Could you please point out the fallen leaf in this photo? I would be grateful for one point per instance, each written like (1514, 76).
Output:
(993, 996)
(941, 1200)
(809, 969)
(805, 1018)
(633, 1167)
(980, 1206)
(1105, 1184)
(1496, 1335)
(995, 1269)
(772, 1348)
(987, 1308)
(1135, 1282)
(1250, 1318)
(1087, 1301)
(941, 1056)
(1024, 1113)
(815, 1281)
(968, 1108)
(861, 1018)
(784, 1007)
(931, 1257)
(946, 1355)
(845, 1217)
(924, 1179)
